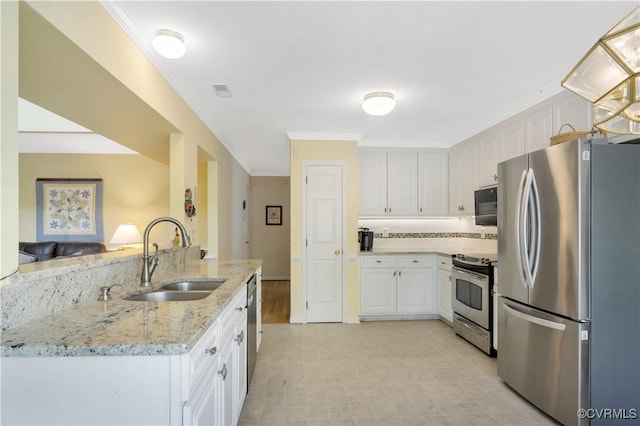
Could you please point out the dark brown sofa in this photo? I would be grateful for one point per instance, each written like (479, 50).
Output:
(47, 250)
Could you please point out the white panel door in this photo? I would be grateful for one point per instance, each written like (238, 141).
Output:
(324, 243)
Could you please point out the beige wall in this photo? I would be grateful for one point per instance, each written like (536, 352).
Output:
(346, 151)
(97, 77)
(134, 187)
(271, 242)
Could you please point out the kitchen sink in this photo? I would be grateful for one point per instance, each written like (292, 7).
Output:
(169, 296)
(188, 285)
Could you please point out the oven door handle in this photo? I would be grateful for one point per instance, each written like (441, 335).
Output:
(471, 273)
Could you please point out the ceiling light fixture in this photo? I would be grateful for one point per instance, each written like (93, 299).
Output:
(378, 103)
(609, 76)
(169, 44)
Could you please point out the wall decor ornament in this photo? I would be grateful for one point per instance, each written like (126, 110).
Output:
(274, 215)
(69, 210)
(189, 206)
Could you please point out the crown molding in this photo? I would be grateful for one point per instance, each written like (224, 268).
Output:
(302, 136)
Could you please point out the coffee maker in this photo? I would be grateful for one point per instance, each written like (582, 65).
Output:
(365, 238)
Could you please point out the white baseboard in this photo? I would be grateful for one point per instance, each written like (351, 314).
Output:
(296, 320)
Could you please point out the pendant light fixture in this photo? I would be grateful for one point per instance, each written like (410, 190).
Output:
(378, 103)
(609, 76)
(169, 44)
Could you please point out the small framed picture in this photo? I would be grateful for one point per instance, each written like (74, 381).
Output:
(274, 215)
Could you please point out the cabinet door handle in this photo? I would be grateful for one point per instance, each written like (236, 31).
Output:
(337, 252)
(399, 273)
(223, 372)
(240, 338)
(239, 308)
(495, 177)
(211, 351)
(420, 209)
(378, 261)
(415, 261)
(395, 273)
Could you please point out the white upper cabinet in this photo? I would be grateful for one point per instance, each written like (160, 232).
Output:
(511, 139)
(464, 162)
(432, 183)
(403, 182)
(489, 155)
(373, 183)
(573, 110)
(402, 173)
(537, 128)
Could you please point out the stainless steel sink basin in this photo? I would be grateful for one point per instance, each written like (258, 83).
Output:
(169, 296)
(188, 285)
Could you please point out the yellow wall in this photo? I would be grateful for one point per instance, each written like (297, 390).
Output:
(346, 151)
(76, 61)
(134, 187)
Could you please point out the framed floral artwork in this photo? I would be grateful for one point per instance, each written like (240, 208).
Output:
(69, 210)
(274, 215)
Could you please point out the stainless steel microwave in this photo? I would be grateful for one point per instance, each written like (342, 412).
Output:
(486, 204)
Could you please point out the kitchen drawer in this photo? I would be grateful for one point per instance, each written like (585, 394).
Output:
(202, 358)
(234, 312)
(377, 261)
(444, 262)
(419, 261)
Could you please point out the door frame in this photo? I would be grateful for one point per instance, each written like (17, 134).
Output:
(343, 165)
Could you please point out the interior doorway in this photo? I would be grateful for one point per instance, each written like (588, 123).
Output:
(324, 190)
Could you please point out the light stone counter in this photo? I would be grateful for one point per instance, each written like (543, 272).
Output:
(121, 327)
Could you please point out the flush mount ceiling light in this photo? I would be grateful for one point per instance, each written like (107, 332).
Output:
(169, 44)
(378, 103)
(609, 76)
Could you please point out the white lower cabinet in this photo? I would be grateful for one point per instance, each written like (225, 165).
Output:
(397, 286)
(445, 288)
(232, 369)
(206, 386)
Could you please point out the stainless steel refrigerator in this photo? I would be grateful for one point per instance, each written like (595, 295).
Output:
(569, 279)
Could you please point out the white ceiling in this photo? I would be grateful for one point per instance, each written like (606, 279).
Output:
(303, 67)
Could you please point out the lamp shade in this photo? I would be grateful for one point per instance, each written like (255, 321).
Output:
(609, 77)
(169, 44)
(378, 103)
(127, 233)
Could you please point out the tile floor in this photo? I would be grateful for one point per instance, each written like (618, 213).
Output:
(378, 373)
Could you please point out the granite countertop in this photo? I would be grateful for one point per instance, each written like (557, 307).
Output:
(122, 327)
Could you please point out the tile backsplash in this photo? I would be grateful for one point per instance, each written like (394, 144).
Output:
(445, 233)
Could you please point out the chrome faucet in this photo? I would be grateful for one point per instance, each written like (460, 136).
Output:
(149, 263)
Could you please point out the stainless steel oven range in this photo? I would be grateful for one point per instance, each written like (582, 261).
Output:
(473, 300)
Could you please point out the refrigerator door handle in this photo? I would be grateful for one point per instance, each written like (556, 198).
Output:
(519, 227)
(524, 249)
(536, 234)
(535, 320)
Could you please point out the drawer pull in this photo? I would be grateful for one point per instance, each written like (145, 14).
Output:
(240, 338)
(211, 351)
(223, 372)
(378, 261)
